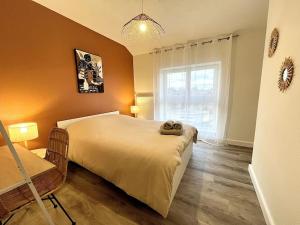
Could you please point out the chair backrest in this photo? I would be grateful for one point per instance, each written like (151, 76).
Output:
(57, 150)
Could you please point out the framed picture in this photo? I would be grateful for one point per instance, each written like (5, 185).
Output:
(89, 72)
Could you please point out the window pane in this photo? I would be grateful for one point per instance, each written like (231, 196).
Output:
(191, 96)
(203, 100)
(175, 95)
(202, 80)
(176, 82)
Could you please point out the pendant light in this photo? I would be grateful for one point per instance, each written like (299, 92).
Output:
(142, 27)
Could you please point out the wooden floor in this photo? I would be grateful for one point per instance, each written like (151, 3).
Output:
(215, 190)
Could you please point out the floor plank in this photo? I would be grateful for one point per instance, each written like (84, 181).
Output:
(215, 190)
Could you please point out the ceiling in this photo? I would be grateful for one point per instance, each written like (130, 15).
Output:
(183, 20)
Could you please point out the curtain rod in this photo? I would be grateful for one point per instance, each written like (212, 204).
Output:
(194, 44)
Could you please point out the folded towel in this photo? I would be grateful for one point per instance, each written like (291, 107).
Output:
(170, 132)
(168, 125)
(177, 125)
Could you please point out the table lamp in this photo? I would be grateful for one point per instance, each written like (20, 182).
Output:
(134, 109)
(23, 132)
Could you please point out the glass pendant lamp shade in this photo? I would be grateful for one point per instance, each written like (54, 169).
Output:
(142, 27)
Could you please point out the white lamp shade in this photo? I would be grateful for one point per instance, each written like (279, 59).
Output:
(134, 109)
(23, 132)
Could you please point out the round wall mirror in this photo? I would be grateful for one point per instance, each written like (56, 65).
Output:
(286, 74)
(273, 42)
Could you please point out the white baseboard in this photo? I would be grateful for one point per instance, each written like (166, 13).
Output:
(262, 201)
(247, 144)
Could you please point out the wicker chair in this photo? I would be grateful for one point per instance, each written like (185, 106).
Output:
(57, 153)
(46, 185)
(57, 150)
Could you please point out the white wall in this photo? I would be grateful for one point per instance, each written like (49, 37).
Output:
(246, 70)
(143, 73)
(247, 57)
(143, 83)
(276, 157)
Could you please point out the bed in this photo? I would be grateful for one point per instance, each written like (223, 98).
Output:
(131, 154)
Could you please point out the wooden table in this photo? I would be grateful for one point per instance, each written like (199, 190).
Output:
(40, 152)
(10, 176)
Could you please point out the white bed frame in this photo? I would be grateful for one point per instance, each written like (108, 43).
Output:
(179, 170)
(65, 123)
(185, 158)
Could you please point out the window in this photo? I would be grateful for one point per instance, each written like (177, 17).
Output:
(190, 94)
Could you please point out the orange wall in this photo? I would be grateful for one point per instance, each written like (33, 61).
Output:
(38, 71)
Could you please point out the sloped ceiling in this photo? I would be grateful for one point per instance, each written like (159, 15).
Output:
(183, 20)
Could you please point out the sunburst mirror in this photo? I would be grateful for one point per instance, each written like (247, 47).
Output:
(273, 42)
(286, 74)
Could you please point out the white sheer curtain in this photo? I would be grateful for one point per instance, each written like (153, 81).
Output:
(191, 84)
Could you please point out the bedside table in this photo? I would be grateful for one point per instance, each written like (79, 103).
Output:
(41, 152)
